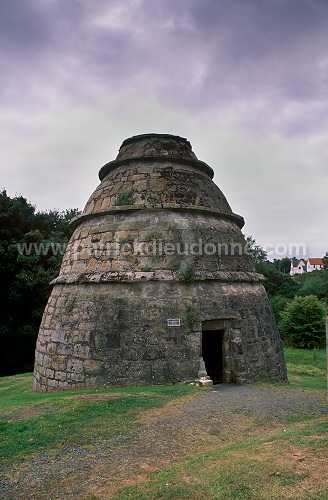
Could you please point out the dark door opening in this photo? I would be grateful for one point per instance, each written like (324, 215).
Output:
(212, 354)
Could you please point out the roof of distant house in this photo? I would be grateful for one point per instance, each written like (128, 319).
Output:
(315, 261)
(297, 262)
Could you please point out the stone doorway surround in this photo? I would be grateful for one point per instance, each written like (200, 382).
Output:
(232, 349)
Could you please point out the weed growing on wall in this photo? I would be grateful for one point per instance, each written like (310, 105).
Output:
(124, 199)
(187, 270)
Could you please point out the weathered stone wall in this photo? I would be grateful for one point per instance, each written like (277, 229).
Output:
(153, 183)
(152, 244)
(117, 334)
(157, 240)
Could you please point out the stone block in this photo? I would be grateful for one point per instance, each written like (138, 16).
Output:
(47, 361)
(75, 377)
(122, 236)
(64, 349)
(60, 376)
(42, 348)
(74, 365)
(51, 348)
(59, 362)
(81, 350)
(52, 384)
(92, 381)
(46, 321)
(92, 366)
(50, 373)
(84, 233)
(206, 382)
(237, 323)
(58, 335)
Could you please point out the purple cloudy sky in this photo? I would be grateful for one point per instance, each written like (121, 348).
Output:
(246, 81)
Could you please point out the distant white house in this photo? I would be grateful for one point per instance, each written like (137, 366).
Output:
(297, 266)
(314, 264)
(300, 266)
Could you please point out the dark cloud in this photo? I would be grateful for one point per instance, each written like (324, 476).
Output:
(21, 27)
(198, 54)
(264, 47)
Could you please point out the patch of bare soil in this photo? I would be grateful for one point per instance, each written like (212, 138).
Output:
(192, 425)
(28, 412)
(94, 397)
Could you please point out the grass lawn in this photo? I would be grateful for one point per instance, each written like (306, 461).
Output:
(307, 368)
(283, 458)
(288, 461)
(275, 465)
(31, 420)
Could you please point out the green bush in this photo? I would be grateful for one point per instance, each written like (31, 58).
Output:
(278, 304)
(303, 322)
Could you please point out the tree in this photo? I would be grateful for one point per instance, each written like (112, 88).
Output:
(31, 248)
(325, 261)
(276, 282)
(303, 322)
(259, 255)
(283, 265)
(313, 283)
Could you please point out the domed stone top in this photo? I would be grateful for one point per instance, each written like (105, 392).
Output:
(156, 171)
(160, 147)
(156, 144)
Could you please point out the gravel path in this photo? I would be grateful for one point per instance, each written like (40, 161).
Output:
(178, 430)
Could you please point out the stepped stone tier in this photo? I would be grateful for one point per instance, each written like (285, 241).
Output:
(157, 284)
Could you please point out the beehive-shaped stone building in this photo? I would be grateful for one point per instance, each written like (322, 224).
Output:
(157, 284)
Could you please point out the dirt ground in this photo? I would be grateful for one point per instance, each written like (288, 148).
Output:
(181, 429)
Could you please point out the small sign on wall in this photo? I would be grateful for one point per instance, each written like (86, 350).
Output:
(173, 322)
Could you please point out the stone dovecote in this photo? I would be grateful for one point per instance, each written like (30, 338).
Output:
(157, 284)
